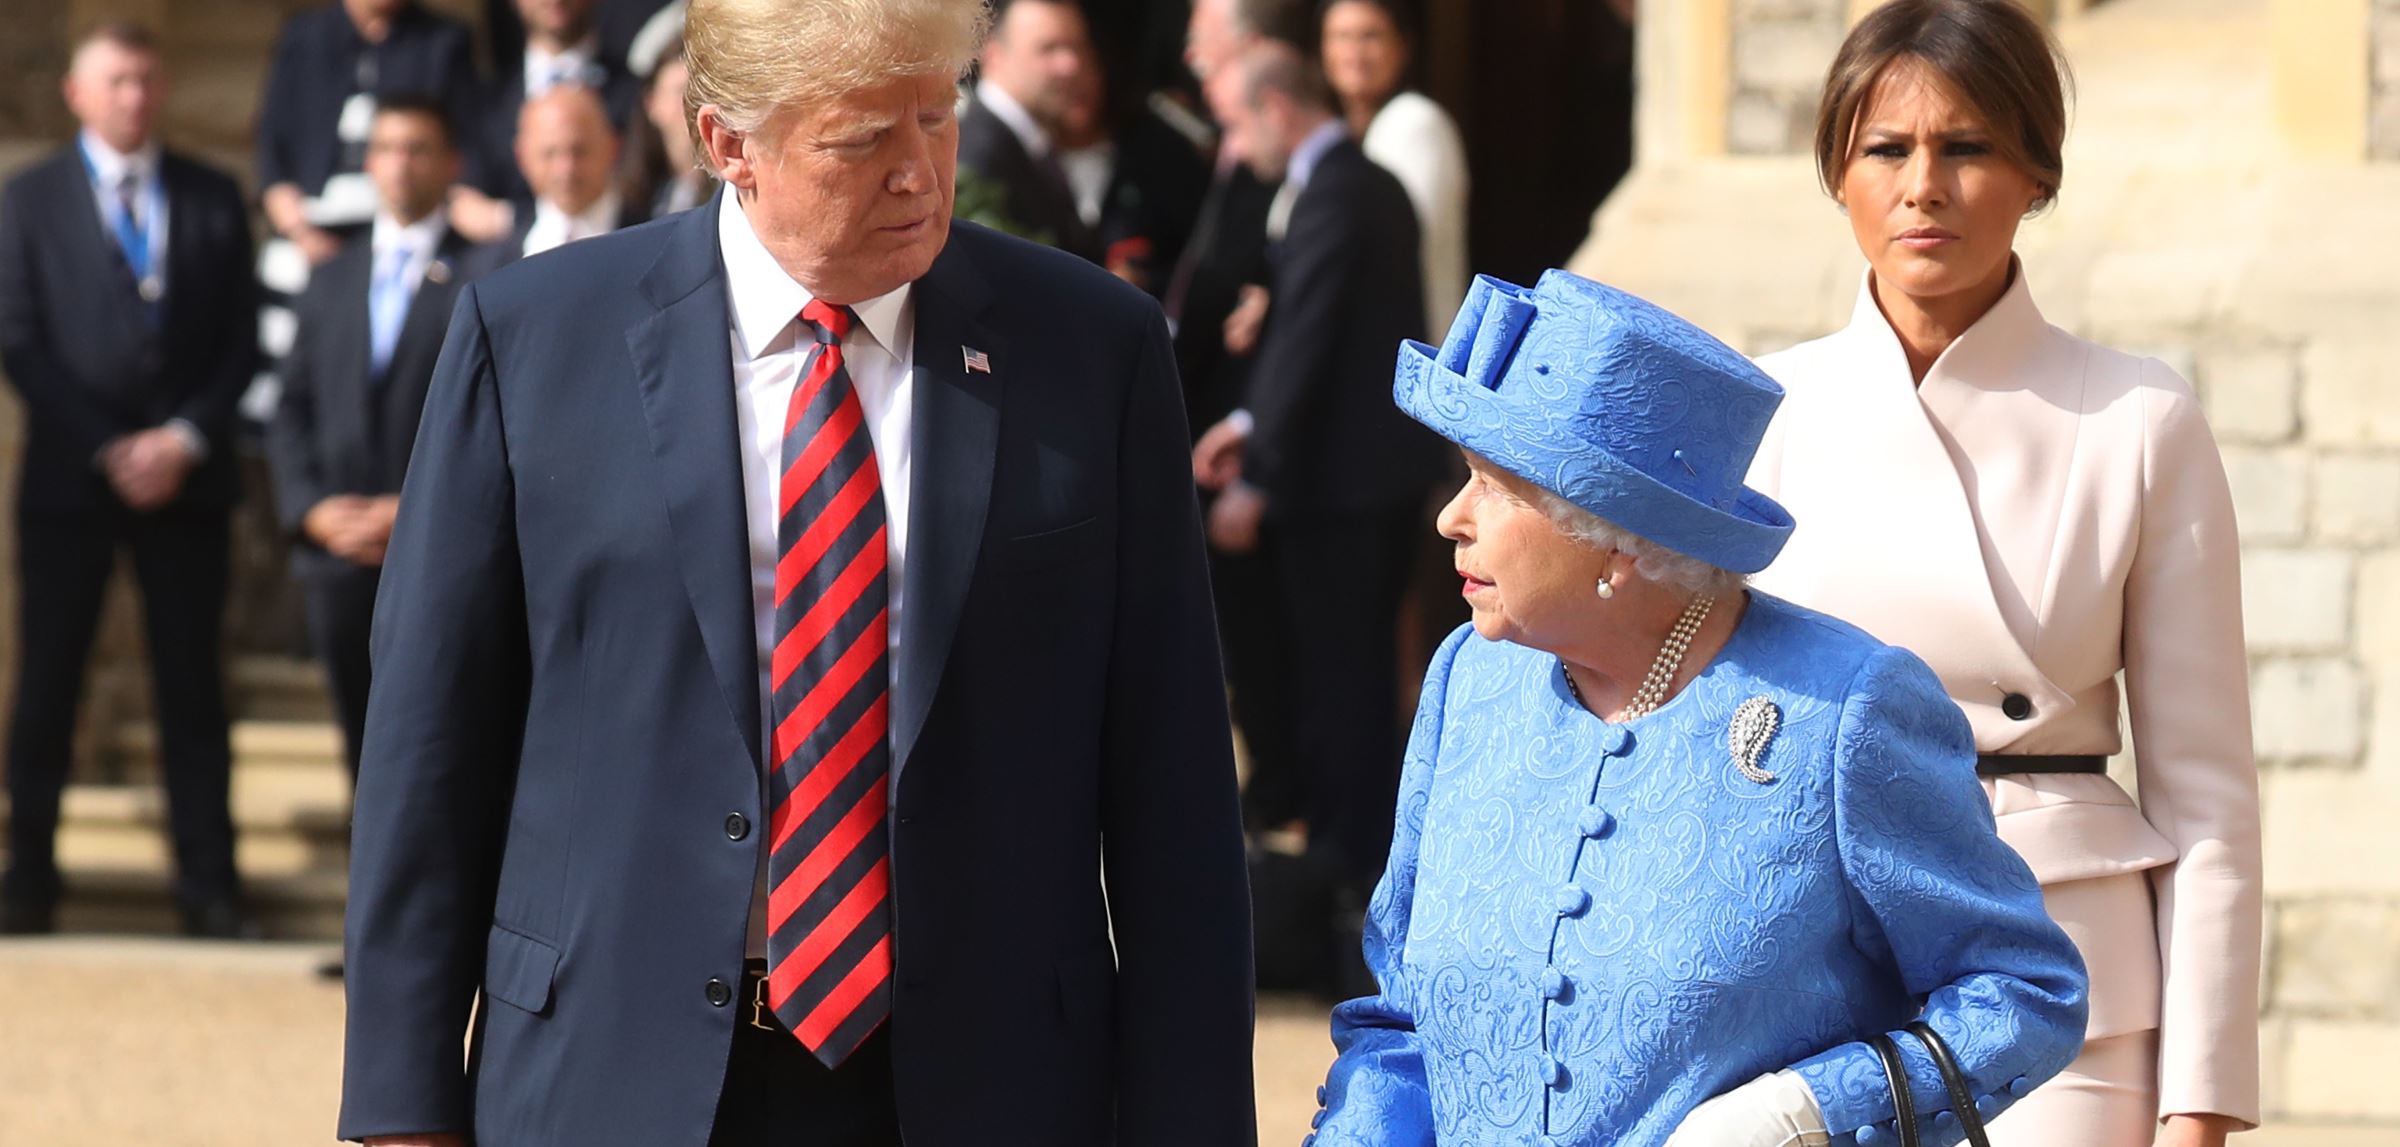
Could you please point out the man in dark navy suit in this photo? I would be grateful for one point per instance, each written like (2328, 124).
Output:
(1319, 459)
(568, 153)
(370, 327)
(797, 716)
(127, 319)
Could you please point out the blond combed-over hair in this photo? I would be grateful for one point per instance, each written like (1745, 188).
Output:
(755, 59)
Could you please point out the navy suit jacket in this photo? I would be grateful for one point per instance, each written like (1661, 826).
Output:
(566, 720)
(1328, 438)
(338, 429)
(83, 349)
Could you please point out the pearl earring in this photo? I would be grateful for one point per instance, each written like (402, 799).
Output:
(1607, 590)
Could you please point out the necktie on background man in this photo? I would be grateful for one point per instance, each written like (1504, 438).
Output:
(133, 236)
(829, 924)
(387, 307)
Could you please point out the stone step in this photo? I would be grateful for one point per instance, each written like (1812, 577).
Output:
(141, 901)
(278, 689)
(259, 744)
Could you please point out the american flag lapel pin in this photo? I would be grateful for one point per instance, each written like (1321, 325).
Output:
(977, 361)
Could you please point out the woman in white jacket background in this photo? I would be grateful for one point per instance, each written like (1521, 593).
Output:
(1366, 56)
(2038, 517)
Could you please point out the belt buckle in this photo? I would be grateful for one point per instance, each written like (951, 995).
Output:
(759, 1008)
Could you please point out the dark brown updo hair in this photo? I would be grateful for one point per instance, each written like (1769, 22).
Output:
(1993, 54)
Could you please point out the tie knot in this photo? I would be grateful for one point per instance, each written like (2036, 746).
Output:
(831, 322)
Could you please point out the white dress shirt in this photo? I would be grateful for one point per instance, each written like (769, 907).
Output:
(555, 228)
(1089, 171)
(424, 237)
(545, 69)
(109, 168)
(769, 346)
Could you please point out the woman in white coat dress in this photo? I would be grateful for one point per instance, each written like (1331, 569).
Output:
(1366, 51)
(2034, 515)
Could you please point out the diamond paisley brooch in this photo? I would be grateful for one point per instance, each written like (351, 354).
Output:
(1754, 725)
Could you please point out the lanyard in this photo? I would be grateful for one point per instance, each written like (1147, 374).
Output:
(154, 206)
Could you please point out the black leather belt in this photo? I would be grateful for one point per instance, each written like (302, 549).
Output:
(2001, 765)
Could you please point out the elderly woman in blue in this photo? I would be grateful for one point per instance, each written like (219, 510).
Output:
(1669, 852)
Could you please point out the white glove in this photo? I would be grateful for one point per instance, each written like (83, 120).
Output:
(1775, 1110)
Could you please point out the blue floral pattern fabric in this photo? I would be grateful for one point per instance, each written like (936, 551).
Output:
(1588, 929)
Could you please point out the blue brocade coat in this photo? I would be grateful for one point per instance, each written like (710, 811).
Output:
(1588, 929)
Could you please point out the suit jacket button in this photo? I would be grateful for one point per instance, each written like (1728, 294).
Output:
(718, 994)
(737, 826)
(2016, 706)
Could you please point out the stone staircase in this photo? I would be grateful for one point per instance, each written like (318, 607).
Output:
(291, 813)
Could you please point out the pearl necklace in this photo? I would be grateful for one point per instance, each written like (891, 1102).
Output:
(1653, 691)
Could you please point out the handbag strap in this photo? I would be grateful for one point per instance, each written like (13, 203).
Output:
(1895, 1073)
(1962, 1101)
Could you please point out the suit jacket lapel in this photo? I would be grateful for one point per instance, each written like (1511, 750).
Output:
(1926, 547)
(428, 315)
(2006, 399)
(683, 367)
(184, 258)
(954, 440)
(105, 260)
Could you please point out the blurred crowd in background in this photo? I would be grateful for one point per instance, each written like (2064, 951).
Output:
(1274, 172)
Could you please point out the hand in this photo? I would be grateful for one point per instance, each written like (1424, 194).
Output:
(1217, 460)
(287, 213)
(1774, 1110)
(480, 217)
(416, 1141)
(147, 468)
(1233, 520)
(2197, 1130)
(1248, 318)
(350, 527)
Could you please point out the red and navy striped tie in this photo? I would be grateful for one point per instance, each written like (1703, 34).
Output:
(829, 918)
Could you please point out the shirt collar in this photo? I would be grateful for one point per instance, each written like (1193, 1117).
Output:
(109, 165)
(598, 219)
(767, 300)
(422, 236)
(1020, 122)
(577, 56)
(1312, 151)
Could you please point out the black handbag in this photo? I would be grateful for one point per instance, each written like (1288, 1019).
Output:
(1954, 1081)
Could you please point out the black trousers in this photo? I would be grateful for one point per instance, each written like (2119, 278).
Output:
(1250, 628)
(1339, 580)
(778, 1095)
(181, 561)
(341, 610)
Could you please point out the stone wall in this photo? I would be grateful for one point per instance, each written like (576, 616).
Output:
(1780, 50)
(2383, 79)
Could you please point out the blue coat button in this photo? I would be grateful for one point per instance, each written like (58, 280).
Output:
(1613, 741)
(1554, 1073)
(1944, 1118)
(1869, 1133)
(1317, 1120)
(1988, 1105)
(1595, 821)
(1320, 1097)
(1571, 900)
(1554, 984)
(2020, 1087)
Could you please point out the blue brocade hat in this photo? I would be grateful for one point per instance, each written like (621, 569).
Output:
(1611, 403)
